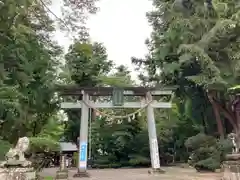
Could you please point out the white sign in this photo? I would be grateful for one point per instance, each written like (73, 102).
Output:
(83, 155)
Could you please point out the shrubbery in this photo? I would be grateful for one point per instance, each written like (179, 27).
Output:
(207, 152)
(43, 145)
(109, 161)
(42, 151)
(139, 161)
(4, 147)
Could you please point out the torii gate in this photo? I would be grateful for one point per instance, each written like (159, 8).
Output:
(117, 102)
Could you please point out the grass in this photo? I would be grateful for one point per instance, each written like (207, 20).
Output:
(48, 178)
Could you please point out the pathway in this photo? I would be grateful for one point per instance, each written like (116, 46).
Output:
(172, 173)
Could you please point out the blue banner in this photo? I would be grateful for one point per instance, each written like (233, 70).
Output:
(83, 152)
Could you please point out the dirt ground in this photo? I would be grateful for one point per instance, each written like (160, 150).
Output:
(172, 173)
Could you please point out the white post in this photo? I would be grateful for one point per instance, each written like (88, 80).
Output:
(82, 165)
(153, 142)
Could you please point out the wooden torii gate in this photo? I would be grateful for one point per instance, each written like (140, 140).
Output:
(118, 95)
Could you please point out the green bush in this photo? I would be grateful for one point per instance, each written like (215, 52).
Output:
(139, 161)
(209, 164)
(105, 161)
(42, 151)
(4, 147)
(200, 140)
(99, 162)
(43, 145)
(75, 159)
(207, 152)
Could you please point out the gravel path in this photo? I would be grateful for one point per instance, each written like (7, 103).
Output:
(172, 173)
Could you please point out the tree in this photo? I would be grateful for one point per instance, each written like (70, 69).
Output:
(86, 62)
(75, 14)
(195, 45)
(53, 129)
(216, 55)
(28, 61)
(120, 78)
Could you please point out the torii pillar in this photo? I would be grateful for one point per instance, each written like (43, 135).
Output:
(83, 140)
(152, 134)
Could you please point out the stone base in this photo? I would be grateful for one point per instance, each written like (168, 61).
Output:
(63, 175)
(15, 163)
(234, 157)
(156, 171)
(17, 173)
(231, 167)
(81, 174)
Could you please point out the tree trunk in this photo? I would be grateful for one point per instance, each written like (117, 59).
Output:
(217, 116)
(229, 116)
(219, 121)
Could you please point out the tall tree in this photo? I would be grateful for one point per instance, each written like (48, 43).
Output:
(86, 62)
(194, 44)
(75, 14)
(28, 64)
(121, 77)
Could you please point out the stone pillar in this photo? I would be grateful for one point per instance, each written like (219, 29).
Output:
(83, 142)
(62, 173)
(153, 142)
(62, 162)
(231, 167)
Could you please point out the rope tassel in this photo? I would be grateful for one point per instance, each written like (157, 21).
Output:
(139, 114)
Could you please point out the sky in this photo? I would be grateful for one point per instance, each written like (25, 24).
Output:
(121, 25)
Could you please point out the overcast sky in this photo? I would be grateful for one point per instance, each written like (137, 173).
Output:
(121, 25)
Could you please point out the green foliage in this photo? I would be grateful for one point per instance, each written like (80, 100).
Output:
(207, 152)
(85, 63)
(48, 178)
(200, 140)
(75, 159)
(29, 64)
(53, 129)
(139, 161)
(4, 147)
(176, 48)
(121, 78)
(28, 69)
(209, 164)
(43, 145)
(42, 151)
(234, 90)
(195, 46)
(75, 14)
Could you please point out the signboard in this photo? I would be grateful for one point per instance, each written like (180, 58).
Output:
(118, 97)
(83, 155)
